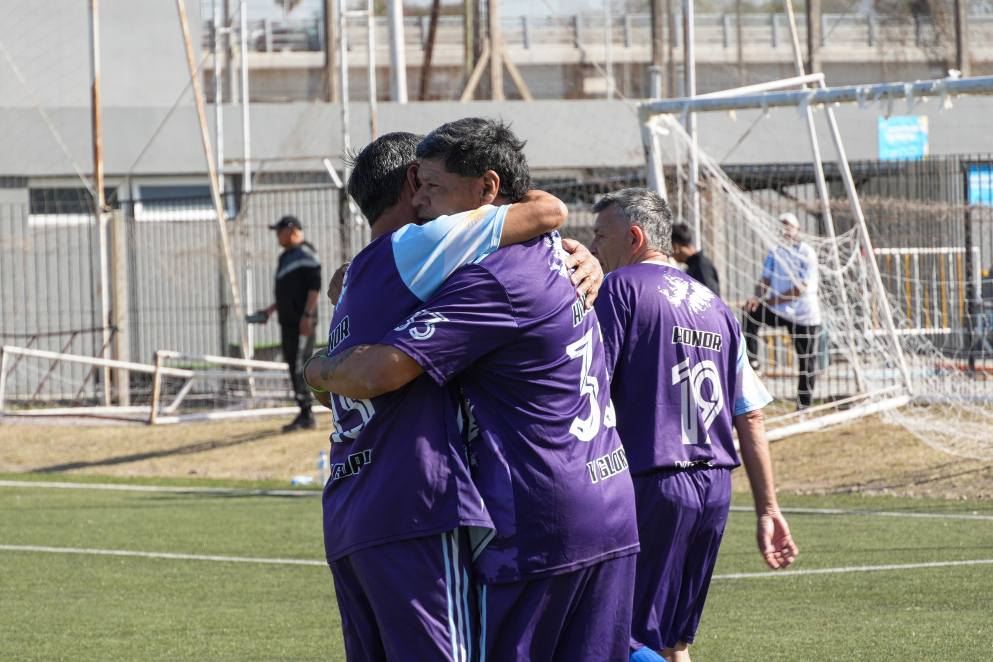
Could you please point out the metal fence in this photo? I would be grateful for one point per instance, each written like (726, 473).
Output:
(931, 224)
(557, 56)
(169, 276)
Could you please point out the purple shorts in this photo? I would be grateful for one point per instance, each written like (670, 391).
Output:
(580, 615)
(409, 600)
(681, 519)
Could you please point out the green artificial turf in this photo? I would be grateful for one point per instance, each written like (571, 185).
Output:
(56, 606)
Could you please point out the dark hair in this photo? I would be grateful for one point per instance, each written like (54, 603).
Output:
(471, 146)
(682, 234)
(646, 209)
(379, 172)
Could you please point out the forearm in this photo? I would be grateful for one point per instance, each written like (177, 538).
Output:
(758, 463)
(363, 371)
(537, 212)
(311, 304)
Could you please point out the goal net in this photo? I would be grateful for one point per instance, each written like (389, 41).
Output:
(875, 352)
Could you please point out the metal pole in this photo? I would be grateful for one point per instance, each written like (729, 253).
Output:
(212, 173)
(962, 61)
(825, 199)
(429, 50)
(608, 54)
(813, 33)
(246, 135)
(398, 53)
(468, 38)
(946, 87)
(690, 67)
(218, 97)
(496, 51)
(331, 37)
(371, 65)
(99, 204)
(740, 37)
(853, 198)
(346, 144)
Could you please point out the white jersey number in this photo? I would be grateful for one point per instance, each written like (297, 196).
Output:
(586, 429)
(694, 408)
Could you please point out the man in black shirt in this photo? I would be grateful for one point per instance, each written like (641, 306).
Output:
(698, 265)
(298, 284)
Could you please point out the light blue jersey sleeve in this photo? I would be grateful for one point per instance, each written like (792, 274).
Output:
(749, 393)
(426, 255)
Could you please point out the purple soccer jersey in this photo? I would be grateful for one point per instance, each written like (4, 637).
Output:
(548, 461)
(398, 461)
(676, 358)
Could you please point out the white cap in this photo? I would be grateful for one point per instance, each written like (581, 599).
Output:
(789, 219)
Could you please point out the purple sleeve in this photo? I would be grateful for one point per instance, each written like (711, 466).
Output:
(470, 316)
(614, 316)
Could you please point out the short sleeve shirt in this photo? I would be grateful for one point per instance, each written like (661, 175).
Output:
(398, 465)
(297, 273)
(548, 462)
(676, 356)
(787, 267)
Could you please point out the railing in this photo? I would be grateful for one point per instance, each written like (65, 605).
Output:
(838, 31)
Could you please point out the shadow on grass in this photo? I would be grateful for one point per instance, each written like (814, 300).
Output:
(190, 449)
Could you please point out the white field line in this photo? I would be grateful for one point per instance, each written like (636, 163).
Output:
(244, 492)
(878, 513)
(156, 488)
(863, 568)
(157, 555)
(241, 559)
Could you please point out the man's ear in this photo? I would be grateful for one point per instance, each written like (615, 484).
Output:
(636, 238)
(412, 179)
(491, 188)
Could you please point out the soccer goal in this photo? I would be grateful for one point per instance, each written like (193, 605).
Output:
(886, 313)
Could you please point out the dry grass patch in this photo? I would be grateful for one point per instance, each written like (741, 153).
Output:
(873, 458)
(248, 450)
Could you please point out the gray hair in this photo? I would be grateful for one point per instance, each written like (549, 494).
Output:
(646, 209)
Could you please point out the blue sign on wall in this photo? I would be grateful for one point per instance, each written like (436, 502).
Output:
(903, 137)
(980, 185)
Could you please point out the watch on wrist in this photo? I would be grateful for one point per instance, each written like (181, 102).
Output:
(309, 314)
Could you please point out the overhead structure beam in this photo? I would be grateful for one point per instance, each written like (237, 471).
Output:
(944, 87)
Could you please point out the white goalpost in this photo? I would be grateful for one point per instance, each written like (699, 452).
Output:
(875, 356)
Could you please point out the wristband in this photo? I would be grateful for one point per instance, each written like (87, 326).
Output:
(315, 356)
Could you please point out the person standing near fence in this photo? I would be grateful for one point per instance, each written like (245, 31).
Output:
(786, 296)
(298, 284)
(698, 265)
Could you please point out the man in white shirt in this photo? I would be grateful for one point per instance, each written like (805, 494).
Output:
(787, 297)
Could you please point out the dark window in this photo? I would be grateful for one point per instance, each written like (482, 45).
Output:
(175, 197)
(62, 200)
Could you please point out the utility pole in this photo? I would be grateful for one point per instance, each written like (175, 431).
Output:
(814, 36)
(962, 61)
(496, 51)
(331, 45)
(398, 53)
(99, 204)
